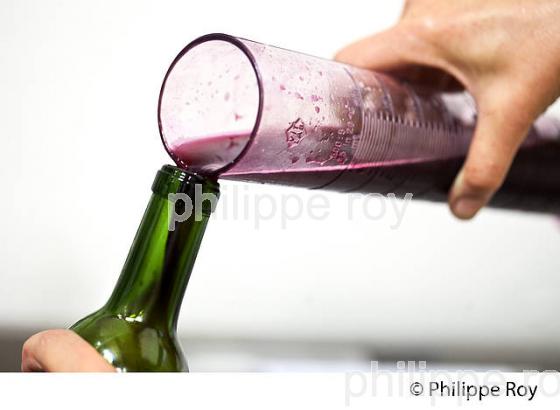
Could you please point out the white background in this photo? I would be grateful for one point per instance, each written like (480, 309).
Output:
(273, 391)
(79, 83)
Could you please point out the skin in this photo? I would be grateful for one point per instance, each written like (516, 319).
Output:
(506, 53)
(61, 350)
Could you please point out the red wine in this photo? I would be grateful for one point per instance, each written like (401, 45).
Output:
(533, 182)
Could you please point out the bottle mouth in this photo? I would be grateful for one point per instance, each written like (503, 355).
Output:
(210, 104)
(172, 180)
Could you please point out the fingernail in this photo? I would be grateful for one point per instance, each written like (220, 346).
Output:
(467, 207)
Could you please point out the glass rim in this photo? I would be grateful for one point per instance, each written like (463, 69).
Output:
(237, 42)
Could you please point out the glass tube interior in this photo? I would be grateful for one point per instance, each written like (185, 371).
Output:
(209, 105)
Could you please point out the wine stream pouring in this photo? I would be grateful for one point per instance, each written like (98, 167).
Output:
(241, 110)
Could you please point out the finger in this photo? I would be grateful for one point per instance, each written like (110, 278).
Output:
(498, 135)
(61, 351)
(378, 51)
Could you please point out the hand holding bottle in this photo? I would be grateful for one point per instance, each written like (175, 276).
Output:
(61, 350)
(506, 53)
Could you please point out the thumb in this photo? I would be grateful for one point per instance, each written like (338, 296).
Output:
(379, 51)
(498, 135)
(408, 54)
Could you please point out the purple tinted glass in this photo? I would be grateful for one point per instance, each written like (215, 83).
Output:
(249, 111)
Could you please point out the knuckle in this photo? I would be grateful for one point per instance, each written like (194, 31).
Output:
(430, 29)
(26, 349)
(483, 177)
(42, 340)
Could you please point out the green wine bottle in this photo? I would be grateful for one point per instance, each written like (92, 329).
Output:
(136, 329)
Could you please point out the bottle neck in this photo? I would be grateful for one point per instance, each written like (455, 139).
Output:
(152, 283)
